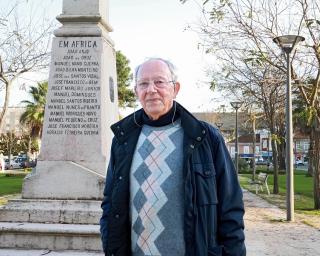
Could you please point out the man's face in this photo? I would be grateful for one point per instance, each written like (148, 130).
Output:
(155, 99)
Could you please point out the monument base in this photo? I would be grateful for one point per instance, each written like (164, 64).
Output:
(52, 211)
(59, 210)
(50, 236)
(41, 252)
(63, 180)
(51, 225)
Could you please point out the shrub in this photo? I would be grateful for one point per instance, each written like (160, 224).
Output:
(243, 166)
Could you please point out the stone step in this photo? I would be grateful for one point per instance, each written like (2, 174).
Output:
(15, 252)
(50, 236)
(51, 211)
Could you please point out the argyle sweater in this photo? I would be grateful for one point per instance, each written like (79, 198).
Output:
(156, 192)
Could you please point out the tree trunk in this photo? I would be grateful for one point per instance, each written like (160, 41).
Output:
(29, 148)
(311, 155)
(39, 142)
(275, 167)
(6, 100)
(9, 147)
(254, 148)
(316, 174)
(282, 158)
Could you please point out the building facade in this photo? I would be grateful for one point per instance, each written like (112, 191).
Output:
(263, 150)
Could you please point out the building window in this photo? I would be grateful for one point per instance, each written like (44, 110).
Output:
(306, 145)
(246, 149)
(265, 144)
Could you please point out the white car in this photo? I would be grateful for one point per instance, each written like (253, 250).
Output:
(14, 164)
(299, 162)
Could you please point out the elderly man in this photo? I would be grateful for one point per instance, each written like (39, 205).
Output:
(171, 186)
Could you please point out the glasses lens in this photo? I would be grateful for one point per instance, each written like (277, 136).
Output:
(160, 83)
(143, 85)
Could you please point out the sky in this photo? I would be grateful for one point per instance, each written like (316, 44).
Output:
(152, 28)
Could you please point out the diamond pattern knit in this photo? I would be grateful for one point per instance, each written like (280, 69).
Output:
(156, 192)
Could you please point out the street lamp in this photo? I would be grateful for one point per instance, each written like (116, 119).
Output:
(287, 43)
(236, 105)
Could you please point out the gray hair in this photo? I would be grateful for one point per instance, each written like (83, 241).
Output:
(172, 68)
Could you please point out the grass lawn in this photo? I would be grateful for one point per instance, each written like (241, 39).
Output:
(10, 185)
(303, 190)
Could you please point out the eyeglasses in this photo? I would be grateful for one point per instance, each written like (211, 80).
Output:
(158, 83)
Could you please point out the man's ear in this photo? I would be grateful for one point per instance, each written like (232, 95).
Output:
(176, 88)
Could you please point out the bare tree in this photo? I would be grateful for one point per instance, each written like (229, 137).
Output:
(310, 91)
(239, 34)
(236, 31)
(24, 46)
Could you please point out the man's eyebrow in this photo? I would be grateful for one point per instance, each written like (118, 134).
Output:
(154, 77)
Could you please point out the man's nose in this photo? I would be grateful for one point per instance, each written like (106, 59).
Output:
(151, 87)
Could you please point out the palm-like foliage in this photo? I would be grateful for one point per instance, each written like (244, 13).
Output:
(34, 114)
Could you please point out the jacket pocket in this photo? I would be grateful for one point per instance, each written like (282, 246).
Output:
(205, 182)
(215, 251)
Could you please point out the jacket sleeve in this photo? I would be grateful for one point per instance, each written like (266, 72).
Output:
(230, 225)
(106, 202)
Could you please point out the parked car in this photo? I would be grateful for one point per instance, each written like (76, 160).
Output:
(299, 163)
(13, 164)
(29, 164)
(261, 162)
(265, 162)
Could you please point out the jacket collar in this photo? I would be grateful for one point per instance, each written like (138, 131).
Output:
(193, 128)
(132, 123)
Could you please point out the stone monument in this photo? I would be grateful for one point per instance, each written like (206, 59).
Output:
(60, 205)
(81, 105)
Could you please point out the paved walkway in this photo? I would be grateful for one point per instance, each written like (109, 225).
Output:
(13, 252)
(267, 232)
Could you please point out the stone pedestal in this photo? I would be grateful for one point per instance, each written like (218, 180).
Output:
(60, 205)
(81, 105)
(63, 180)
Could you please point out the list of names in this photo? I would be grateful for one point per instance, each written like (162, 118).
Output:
(73, 105)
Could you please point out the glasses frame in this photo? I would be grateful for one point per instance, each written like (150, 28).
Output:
(154, 82)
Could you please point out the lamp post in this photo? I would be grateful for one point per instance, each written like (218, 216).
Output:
(236, 105)
(287, 43)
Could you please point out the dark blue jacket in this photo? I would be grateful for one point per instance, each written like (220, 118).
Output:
(213, 222)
